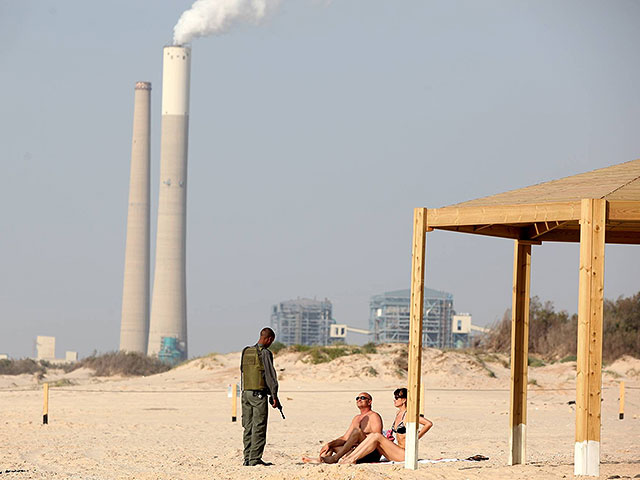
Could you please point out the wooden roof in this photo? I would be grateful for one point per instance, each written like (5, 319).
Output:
(550, 211)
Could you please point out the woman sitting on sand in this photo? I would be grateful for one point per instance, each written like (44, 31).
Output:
(392, 448)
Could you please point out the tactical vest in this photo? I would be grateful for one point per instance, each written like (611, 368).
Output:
(252, 369)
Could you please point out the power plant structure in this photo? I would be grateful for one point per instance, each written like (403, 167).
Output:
(160, 327)
(168, 324)
(303, 322)
(389, 317)
(134, 326)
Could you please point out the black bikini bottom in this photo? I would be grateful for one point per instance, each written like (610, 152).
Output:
(372, 457)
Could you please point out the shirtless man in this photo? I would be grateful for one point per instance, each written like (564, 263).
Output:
(362, 425)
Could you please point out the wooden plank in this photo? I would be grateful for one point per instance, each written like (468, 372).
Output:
(568, 233)
(501, 214)
(618, 182)
(542, 228)
(415, 337)
(589, 358)
(565, 235)
(519, 352)
(584, 290)
(502, 231)
(596, 314)
(624, 211)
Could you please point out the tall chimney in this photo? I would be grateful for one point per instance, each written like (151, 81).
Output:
(134, 327)
(169, 301)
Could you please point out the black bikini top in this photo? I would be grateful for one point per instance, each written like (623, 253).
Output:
(400, 428)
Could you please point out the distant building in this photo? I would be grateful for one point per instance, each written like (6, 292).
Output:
(70, 357)
(4, 356)
(461, 331)
(389, 318)
(302, 321)
(45, 348)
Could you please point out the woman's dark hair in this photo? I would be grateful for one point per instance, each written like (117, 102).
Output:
(400, 393)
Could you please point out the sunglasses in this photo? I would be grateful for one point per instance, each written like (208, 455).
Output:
(362, 397)
(397, 396)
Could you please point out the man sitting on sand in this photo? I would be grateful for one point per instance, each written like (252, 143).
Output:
(362, 425)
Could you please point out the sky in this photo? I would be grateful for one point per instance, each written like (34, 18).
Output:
(313, 136)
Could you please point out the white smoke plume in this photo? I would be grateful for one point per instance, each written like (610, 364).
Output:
(212, 17)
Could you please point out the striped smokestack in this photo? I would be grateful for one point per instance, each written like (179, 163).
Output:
(134, 327)
(169, 301)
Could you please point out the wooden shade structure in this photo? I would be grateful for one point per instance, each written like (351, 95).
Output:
(593, 208)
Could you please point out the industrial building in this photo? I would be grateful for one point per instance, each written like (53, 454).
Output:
(389, 318)
(303, 322)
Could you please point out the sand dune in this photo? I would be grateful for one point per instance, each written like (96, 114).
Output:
(177, 425)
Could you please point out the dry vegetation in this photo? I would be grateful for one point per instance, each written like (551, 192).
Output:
(128, 364)
(22, 366)
(319, 354)
(553, 335)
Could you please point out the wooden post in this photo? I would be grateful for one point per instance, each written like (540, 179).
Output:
(45, 407)
(621, 411)
(234, 402)
(519, 353)
(422, 397)
(415, 338)
(590, 313)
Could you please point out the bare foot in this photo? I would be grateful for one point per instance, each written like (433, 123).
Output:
(311, 460)
(346, 460)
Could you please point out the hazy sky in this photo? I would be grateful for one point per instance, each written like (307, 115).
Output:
(312, 137)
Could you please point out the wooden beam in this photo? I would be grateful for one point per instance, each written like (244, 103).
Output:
(626, 211)
(501, 214)
(502, 231)
(623, 237)
(519, 352)
(567, 235)
(542, 228)
(530, 242)
(415, 338)
(589, 359)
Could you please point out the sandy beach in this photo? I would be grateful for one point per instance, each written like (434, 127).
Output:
(177, 425)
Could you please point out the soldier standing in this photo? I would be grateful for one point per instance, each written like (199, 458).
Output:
(259, 383)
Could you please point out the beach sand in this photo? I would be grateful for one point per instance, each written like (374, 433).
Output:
(177, 425)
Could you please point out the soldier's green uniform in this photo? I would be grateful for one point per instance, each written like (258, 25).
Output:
(259, 380)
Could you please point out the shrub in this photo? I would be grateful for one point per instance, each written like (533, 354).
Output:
(479, 358)
(129, 364)
(300, 348)
(621, 328)
(569, 358)
(319, 354)
(22, 366)
(553, 334)
(63, 382)
(369, 348)
(277, 347)
(535, 362)
(326, 354)
(402, 361)
(372, 372)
